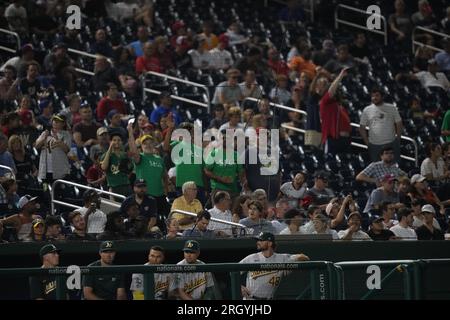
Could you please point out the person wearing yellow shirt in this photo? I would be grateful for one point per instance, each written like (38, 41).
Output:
(187, 202)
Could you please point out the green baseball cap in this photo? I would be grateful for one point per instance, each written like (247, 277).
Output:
(48, 248)
(191, 246)
(107, 246)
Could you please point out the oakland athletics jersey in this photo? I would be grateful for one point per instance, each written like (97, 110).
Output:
(162, 281)
(262, 284)
(194, 284)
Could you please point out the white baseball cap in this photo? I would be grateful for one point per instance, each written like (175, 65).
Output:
(417, 178)
(428, 208)
(25, 200)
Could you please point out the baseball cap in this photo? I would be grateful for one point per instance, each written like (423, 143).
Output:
(25, 200)
(417, 178)
(140, 182)
(26, 47)
(388, 178)
(48, 248)
(107, 246)
(428, 208)
(329, 207)
(375, 219)
(101, 131)
(146, 137)
(321, 175)
(44, 103)
(112, 113)
(191, 246)
(355, 213)
(59, 117)
(265, 236)
(223, 38)
(37, 222)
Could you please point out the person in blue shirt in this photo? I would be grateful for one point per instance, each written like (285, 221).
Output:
(138, 45)
(164, 109)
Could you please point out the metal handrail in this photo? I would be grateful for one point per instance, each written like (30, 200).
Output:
(52, 194)
(16, 35)
(165, 76)
(204, 105)
(9, 169)
(348, 23)
(414, 42)
(279, 106)
(187, 213)
(86, 54)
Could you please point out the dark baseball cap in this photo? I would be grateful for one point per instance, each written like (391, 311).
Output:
(375, 219)
(140, 183)
(107, 246)
(265, 236)
(48, 248)
(321, 175)
(191, 246)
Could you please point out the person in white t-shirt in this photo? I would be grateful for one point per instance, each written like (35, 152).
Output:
(94, 217)
(294, 190)
(403, 230)
(354, 231)
(385, 126)
(322, 226)
(221, 59)
(221, 211)
(434, 169)
(294, 219)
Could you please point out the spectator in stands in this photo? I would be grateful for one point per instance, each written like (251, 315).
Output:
(201, 57)
(173, 229)
(234, 117)
(295, 49)
(400, 23)
(114, 228)
(137, 46)
(418, 216)
(254, 61)
(403, 187)
(117, 166)
(221, 58)
(95, 176)
(165, 108)
(385, 193)
(293, 12)
(443, 58)
(335, 211)
(336, 127)
(428, 231)
(294, 219)
(101, 144)
(54, 145)
(445, 23)
(250, 87)
(421, 58)
(211, 40)
(240, 207)
(344, 60)
(317, 89)
(294, 190)
(45, 118)
(187, 202)
(123, 64)
(134, 10)
(136, 226)
(111, 287)
(6, 158)
(72, 113)
(85, 132)
(234, 33)
(115, 125)
(54, 228)
(101, 45)
(429, 79)
(16, 14)
(10, 123)
(311, 212)
(8, 84)
(280, 93)
(272, 120)
(149, 61)
(22, 221)
(387, 212)
(320, 194)
(59, 67)
(321, 226)
(200, 229)
(12, 198)
(359, 48)
(31, 85)
(255, 223)
(276, 63)
(163, 53)
(104, 73)
(78, 228)
(375, 171)
(278, 219)
(377, 232)
(434, 170)
(37, 233)
(221, 211)
(71, 37)
(26, 170)
(219, 117)
(150, 167)
(327, 53)
(425, 17)
(385, 126)
(20, 63)
(403, 230)
(303, 63)
(422, 192)
(111, 101)
(94, 218)
(228, 92)
(182, 60)
(354, 231)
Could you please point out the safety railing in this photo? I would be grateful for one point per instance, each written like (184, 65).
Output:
(16, 35)
(318, 270)
(355, 125)
(402, 267)
(207, 99)
(13, 175)
(361, 26)
(69, 205)
(426, 269)
(89, 55)
(426, 30)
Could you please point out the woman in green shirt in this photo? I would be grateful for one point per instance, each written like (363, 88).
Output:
(116, 165)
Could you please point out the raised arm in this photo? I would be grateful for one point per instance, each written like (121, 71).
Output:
(132, 144)
(335, 85)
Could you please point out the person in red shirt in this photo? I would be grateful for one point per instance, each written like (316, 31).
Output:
(149, 61)
(275, 63)
(336, 128)
(110, 102)
(95, 175)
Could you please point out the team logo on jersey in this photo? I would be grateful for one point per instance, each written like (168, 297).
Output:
(257, 274)
(49, 287)
(161, 285)
(194, 284)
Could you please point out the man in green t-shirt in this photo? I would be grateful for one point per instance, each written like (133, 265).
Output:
(221, 166)
(149, 166)
(445, 130)
(104, 286)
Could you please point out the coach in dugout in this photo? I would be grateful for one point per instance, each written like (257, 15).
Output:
(43, 287)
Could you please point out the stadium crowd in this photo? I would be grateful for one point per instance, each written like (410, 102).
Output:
(99, 130)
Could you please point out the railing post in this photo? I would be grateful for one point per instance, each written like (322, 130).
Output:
(315, 290)
(407, 282)
(149, 286)
(60, 287)
(235, 285)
